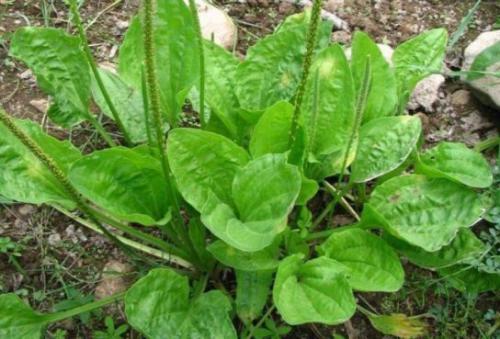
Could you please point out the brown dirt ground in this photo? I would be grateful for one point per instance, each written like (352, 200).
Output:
(78, 258)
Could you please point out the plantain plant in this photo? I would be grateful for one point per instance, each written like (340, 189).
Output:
(293, 121)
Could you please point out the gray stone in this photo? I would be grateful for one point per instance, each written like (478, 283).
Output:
(487, 87)
(483, 41)
(461, 98)
(426, 93)
(216, 23)
(342, 37)
(41, 105)
(114, 279)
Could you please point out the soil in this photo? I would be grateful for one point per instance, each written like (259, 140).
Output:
(59, 255)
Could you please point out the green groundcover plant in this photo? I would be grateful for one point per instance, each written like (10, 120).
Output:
(293, 120)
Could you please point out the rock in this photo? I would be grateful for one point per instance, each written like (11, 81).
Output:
(122, 24)
(487, 87)
(114, 279)
(27, 74)
(426, 93)
(75, 235)
(475, 121)
(461, 98)
(386, 51)
(54, 239)
(41, 105)
(26, 210)
(341, 37)
(483, 41)
(333, 6)
(215, 22)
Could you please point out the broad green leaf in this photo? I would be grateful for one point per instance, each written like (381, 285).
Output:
(315, 291)
(373, 264)
(126, 183)
(384, 144)
(329, 113)
(308, 190)
(383, 96)
(265, 259)
(272, 131)
(18, 320)
(127, 101)
(220, 79)
(60, 68)
(417, 58)
(177, 61)
(273, 66)
(464, 247)
(158, 306)
(398, 324)
(484, 61)
(23, 177)
(264, 193)
(204, 165)
(244, 204)
(456, 162)
(469, 279)
(252, 291)
(271, 135)
(424, 212)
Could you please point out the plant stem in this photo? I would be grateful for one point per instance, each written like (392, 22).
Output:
(327, 233)
(100, 129)
(147, 238)
(59, 175)
(261, 321)
(312, 34)
(154, 98)
(199, 40)
(143, 248)
(343, 202)
(487, 144)
(54, 317)
(17, 266)
(90, 59)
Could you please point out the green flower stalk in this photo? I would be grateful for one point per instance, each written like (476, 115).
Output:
(360, 108)
(61, 177)
(179, 231)
(312, 35)
(199, 40)
(88, 53)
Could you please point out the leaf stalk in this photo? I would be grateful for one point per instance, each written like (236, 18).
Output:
(54, 317)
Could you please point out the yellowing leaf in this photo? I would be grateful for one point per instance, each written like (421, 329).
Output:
(399, 325)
